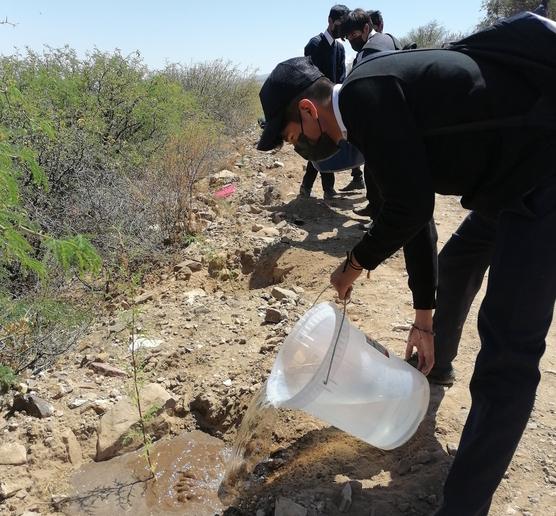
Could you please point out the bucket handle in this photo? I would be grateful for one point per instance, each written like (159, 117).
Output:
(346, 301)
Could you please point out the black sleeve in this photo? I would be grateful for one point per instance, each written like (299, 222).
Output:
(311, 48)
(420, 253)
(421, 262)
(396, 150)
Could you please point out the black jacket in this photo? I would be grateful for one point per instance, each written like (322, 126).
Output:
(330, 60)
(413, 94)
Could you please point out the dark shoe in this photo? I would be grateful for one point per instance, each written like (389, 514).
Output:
(330, 195)
(439, 375)
(354, 184)
(304, 191)
(363, 212)
(365, 227)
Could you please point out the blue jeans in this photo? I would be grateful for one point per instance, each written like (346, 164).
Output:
(514, 319)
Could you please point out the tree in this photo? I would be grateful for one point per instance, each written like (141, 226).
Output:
(430, 35)
(495, 9)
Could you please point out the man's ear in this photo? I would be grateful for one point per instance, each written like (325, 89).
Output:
(307, 107)
(367, 29)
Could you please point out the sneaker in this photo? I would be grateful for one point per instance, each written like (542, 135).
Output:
(354, 184)
(363, 212)
(304, 191)
(438, 375)
(366, 226)
(330, 195)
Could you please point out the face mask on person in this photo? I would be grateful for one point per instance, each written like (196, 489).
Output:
(357, 43)
(323, 148)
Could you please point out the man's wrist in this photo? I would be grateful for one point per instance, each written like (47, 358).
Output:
(423, 319)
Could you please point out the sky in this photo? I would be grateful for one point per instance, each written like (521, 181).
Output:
(252, 34)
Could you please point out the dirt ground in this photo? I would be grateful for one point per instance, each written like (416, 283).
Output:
(217, 351)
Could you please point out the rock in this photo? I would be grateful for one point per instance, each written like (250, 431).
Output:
(32, 405)
(403, 467)
(260, 512)
(143, 298)
(184, 273)
(422, 457)
(224, 176)
(278, 217)
(191, 296)
(188, 264)
(9, 488)
(216, 264)
(73, 448)
(280, 293)
(345, 498)
(12, 454)
(452, 449)
(77, 402)
(269, 232)
(273, 315)
(146, 343)
(116, 424)
(278, 164)
(107, 370)
(22, 387)
(287, 507)
(227, 382)
(256, 227)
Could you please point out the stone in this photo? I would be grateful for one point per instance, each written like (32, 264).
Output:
(216, 264)
(12, 454)
(145, 343)
(9, 488)
(452, 449)
(403, 467)
(269, 232)
(107, 370)
(77, 402)
(278, 164)
(73, 448)
(256, 227)
(191, 296)
(345, 498)
(280, 293)
(184, 273)
(227, 382)
(422, 457)
(224, 176)
(116, 424)
(143, 298)
(273, 315)
(287, 507)
(32, 405)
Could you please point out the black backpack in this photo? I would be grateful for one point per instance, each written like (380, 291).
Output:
(526, 43)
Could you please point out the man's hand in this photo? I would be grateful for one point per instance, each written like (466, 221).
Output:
(343, 277)
(421, 337)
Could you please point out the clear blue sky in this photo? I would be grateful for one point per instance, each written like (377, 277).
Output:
(251, 33)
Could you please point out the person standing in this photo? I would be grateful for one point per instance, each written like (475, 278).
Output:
(329, 56)
(447, 108)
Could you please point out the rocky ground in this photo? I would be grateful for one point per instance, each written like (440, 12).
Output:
(209, 328)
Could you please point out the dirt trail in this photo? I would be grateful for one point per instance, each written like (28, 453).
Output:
(217, 350)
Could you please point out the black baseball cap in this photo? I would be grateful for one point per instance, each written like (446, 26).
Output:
(287, 81)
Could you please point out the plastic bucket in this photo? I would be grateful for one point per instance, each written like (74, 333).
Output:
(380, 399)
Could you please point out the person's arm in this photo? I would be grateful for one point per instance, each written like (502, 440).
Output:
(421, 263)
(311, 48)
(397, 152)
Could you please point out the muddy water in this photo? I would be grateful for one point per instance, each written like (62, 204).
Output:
(252, 446)
(189, 469)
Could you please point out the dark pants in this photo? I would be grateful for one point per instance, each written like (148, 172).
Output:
(369, 184)
(462, 264)
(514, 318)
(308, 181)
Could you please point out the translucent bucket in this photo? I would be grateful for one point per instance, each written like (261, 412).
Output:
(380, 399)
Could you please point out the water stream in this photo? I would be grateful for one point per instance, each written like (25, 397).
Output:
(252, 446)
